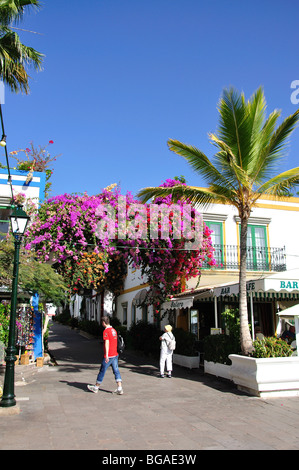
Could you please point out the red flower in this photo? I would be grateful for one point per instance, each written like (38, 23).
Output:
(51, 142)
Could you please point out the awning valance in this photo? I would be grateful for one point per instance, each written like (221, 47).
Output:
(232, 289)
(284, 285)
(278, 285)
(178, 303)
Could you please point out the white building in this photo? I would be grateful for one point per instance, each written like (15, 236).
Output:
(272, 249)
(33, 189)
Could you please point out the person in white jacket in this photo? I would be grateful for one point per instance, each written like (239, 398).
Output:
(166, 353)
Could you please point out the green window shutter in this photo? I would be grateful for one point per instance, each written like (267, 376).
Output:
(217, 240)
(4, 220)
(257, 249)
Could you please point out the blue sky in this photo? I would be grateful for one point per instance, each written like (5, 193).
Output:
(120, 77)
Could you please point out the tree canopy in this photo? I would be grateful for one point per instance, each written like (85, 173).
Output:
(250, 148)
(16, 57)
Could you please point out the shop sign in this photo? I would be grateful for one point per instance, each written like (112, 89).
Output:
(178, 304)
(225, 291)
(184, 303)
(289, 284)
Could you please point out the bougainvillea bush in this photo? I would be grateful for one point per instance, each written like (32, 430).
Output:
(82, 236)
(168, 263)
(64, 234)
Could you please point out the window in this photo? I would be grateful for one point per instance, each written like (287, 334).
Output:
(133, 313)
(217, 240)
(144, 313)
(4, 220)
(194, 323)
(125, 312)
(257, 249)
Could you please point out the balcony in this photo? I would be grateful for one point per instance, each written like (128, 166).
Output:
(258, 258)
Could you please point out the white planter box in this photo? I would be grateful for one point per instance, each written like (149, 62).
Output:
(273, 376)
(192, 362)
(215, 368)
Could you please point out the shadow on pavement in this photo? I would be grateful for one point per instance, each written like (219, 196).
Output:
(75, 353)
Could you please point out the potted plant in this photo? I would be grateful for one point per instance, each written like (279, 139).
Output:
(217, 349)
(273, 370)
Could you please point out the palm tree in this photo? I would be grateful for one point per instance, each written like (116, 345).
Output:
(14, 55)
(250, 147)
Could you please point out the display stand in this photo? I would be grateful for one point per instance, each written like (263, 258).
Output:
(29, 334)
(24, 334)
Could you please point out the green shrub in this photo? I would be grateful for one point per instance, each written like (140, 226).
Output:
(115, 322)
(271, 347)
(231, 320)
(185, 342)
(4, 324)
(218, 347)
(144, 337)
(91, 326)
(64, 317)
(74, 322)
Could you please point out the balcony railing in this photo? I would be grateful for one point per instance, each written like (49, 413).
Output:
(258, 258)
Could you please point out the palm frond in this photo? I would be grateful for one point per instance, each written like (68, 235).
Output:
(13, 10)
(232, 172)
(241, 123)
(14, 57)
(249, 145)
(151, 193)
(256, 117)
(275, 150)
(280, 184)
(190, 194)
(198, 161)
(232, 123)
(261, 144)
(279, 141)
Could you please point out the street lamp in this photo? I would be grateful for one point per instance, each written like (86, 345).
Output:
(3, 141)
(18, 220)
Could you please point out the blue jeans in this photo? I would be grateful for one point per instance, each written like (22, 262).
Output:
(113, 362)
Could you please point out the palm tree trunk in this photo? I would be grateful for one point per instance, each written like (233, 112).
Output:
(245, 337)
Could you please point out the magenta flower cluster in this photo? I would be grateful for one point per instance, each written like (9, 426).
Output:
(66, 228)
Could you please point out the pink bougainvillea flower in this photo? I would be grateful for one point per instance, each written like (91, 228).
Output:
(66, 227)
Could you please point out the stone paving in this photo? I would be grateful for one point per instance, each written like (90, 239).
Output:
(191, 411)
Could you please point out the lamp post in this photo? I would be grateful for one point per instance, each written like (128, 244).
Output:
(19, 220)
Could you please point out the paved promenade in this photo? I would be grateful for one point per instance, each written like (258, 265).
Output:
(191, 411)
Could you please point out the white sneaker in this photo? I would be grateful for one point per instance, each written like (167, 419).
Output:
(119, 391)
(93, 388)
